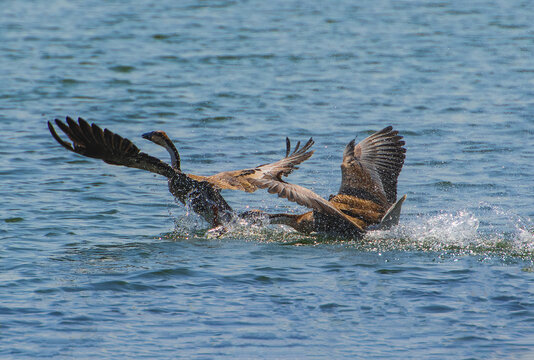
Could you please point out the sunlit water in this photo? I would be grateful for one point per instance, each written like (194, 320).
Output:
(99, 262)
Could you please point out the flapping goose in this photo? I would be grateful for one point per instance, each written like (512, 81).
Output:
(238, 179)
(201, 192)
(367, 196)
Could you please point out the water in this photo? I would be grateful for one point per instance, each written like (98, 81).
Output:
(98, 261)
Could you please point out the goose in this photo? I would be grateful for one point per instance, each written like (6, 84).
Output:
(367, 197)
(202, 193)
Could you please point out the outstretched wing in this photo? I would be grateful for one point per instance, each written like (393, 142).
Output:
(370, 169)
(92, 141)
(305, 197)
(245, 179)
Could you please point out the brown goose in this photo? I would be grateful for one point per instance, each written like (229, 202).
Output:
(201, 192)
(238, 179)
(367, 196)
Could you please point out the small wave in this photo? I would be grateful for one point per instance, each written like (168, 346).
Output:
(165, 273)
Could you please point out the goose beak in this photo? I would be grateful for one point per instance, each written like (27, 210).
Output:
(148, 135)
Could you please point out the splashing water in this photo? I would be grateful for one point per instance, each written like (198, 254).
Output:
(459, 232)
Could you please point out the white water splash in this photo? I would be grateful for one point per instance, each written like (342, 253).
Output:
(462, 231)
(458, 229)
(486, 229)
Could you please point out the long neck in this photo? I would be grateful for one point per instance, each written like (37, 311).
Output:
(175, 157)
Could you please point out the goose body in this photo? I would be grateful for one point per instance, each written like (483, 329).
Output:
(201, 192)
(367, 197)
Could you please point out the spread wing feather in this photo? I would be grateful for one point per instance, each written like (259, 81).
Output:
(245, 179)
(304, 197)
(92, 141)
(370, 169)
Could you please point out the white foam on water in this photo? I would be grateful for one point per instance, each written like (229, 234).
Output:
(462, 231)
(452, 229)
(488, 229)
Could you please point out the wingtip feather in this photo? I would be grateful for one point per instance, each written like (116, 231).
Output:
(63, 143)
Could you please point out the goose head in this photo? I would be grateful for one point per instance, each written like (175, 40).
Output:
(160, 138)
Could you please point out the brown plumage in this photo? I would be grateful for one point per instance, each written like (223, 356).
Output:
(369, 173)
(201, 192)
(240, 179)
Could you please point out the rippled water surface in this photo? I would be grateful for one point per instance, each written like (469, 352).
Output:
(98, 261)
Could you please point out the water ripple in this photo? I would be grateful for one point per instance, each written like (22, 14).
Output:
(98, 261)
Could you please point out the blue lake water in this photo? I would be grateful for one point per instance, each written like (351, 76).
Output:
(98, 261)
